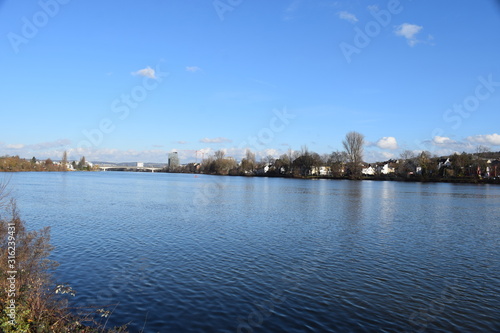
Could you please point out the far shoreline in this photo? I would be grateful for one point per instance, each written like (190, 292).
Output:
(414, 179)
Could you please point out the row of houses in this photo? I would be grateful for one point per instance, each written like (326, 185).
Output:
(384, 168)
(69, 165)
(491, 168)
(465, 165)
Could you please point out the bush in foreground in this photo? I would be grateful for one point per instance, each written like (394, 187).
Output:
(30, 301)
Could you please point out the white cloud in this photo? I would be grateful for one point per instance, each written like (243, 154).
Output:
(15, 146)
(387, 142)
(446, 145)
(205, 151)
(116, 155)
(348, 16)
(442, 145)
(373, 8)
(272, 152)
(32, 148)
(216, 140)
(442, 140)
(408, 31)
(372, 156)
(489, 139)
(193, 69)
(147, 72)
(53, 144)
(387, 155)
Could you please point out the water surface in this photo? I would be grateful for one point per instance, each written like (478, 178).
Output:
(180, 253)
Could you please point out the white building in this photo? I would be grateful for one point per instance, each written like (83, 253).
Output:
(321, 171)
(386, 169)
(444, 163)
(370, 171)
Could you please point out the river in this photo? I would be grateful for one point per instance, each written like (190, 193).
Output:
(186, 253)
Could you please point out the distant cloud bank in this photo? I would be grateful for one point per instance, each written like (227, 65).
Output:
(488, 139)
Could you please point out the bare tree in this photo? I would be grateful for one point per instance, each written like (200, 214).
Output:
(269, 159)
(219, 154)
(283, 164)
(461, 164)
(64, 161)
(248, 162)
(82, 164)
(424, 160)
(337, 161)
(353, 145)
(482, 149)
(407, 155)
(301, 162)
(304, 151)
(290, 155)
(250, 156)
(407, 163)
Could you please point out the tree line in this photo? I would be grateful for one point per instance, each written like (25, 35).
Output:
(303, 163)
(349, 164)
(15, 164)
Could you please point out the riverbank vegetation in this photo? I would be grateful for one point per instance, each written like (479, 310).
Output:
(30, 300)
(481, 166)
(15, 164)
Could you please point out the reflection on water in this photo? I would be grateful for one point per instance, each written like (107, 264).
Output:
(194, 254)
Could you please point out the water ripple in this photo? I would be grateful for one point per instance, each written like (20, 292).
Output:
(185, 254)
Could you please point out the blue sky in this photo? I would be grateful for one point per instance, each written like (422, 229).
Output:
(134, 80)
